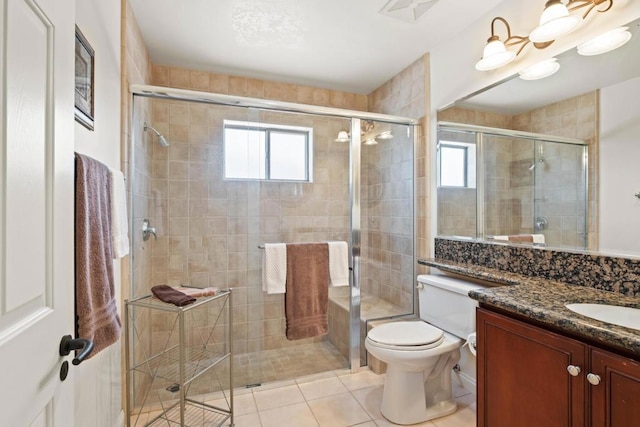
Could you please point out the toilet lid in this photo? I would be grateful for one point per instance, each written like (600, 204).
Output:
(406, 334)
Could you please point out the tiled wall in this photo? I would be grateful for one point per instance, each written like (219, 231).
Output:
(406, 94)
(575, 117)
(209, 229)
(136, 70)
(509, 184)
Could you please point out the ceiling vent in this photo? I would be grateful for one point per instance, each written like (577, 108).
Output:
(407, 10)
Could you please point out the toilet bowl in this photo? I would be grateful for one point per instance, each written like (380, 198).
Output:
(420, 355)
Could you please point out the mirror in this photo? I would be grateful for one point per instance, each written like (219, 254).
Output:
(593, 99)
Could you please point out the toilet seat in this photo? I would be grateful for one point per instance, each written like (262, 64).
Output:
(406, 336)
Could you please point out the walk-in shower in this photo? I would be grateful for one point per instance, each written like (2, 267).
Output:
(495, 183)
(243, 172)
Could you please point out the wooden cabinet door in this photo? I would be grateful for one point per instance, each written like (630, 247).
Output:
(615, 401)
(522, 375)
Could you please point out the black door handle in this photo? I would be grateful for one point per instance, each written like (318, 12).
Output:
(67, 344)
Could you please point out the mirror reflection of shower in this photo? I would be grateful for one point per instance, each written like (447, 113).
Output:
(161, 139)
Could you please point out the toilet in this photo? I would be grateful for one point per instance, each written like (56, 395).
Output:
(421, 354)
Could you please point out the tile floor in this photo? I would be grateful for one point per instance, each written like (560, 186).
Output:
(331, 399)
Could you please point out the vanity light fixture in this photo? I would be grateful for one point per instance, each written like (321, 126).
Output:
(540, 70)
(556, 20)
(605, 42)
(495, 53)
(370, 141)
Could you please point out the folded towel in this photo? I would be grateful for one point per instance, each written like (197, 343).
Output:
(96, 309)
(538, 238)
(274, 268)
(307, 296)
(119, 225)
(500, 237)
(197, 292)
(338, 263)
(521, 238)
(171, 296)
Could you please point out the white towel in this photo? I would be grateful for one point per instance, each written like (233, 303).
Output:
(274, 268)
(538, 238)
(119, 224)
(338, 264)
(500, 237)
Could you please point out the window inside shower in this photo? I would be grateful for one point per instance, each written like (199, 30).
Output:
(267, 151)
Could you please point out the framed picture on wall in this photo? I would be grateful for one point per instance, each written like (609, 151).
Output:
(84, 81)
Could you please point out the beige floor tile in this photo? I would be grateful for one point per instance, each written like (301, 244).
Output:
(322, 388)
(458, 390)
(367, 424)
(465, 416)
(277, 397)
(272, 385)
(298, 415)
(315, 377)
(243, 404)
(370, 399)
(362, 379)
(249, 420)
(339, 410)
(385, 423)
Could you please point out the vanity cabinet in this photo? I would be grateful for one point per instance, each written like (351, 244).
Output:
(528, 376)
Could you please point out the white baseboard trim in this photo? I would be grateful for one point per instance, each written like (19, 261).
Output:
(120, 421)
(468, 382)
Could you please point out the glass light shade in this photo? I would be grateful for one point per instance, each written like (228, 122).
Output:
(605, 42)
(495, 55)
(370, 141)
(555, 21)
(343, 136)
(540, 70)
(385, 135)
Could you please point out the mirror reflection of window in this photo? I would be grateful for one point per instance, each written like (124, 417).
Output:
(457, 161)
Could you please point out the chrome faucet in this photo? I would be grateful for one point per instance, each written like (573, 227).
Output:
(147, 230)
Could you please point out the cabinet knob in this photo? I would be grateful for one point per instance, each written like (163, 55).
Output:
(593, 379)
(574, 371)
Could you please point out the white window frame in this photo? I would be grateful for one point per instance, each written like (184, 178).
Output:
(268, 128)
(469, 180)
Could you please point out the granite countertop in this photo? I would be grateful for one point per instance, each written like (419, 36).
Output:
(543, 301)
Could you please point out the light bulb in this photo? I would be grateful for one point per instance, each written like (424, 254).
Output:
(540, 70)
(495, 55)
(555, 21)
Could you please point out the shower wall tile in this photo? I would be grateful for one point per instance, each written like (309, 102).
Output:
(163, 75)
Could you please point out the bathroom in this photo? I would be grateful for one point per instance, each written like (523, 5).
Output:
(419, 90)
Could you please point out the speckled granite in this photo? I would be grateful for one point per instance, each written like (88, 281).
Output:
(614, 274)
(545, 303)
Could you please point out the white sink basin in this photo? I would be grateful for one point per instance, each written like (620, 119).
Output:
(622, 316)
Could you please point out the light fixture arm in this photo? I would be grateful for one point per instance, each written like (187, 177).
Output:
(590, 4)
(515, 40)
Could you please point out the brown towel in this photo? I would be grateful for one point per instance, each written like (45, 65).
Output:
(96, 309)
(521, 238)
(307, 293)
(172, 296)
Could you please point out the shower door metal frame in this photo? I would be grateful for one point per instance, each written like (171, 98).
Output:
(355, 165)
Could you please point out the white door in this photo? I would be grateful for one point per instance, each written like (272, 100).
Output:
(36, 210)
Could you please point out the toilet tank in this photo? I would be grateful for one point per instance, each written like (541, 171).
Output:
(445, 303)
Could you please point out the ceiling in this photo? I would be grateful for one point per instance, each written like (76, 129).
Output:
(344, 45)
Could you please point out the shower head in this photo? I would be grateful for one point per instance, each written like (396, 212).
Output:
(161, 139)
(533, 165)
